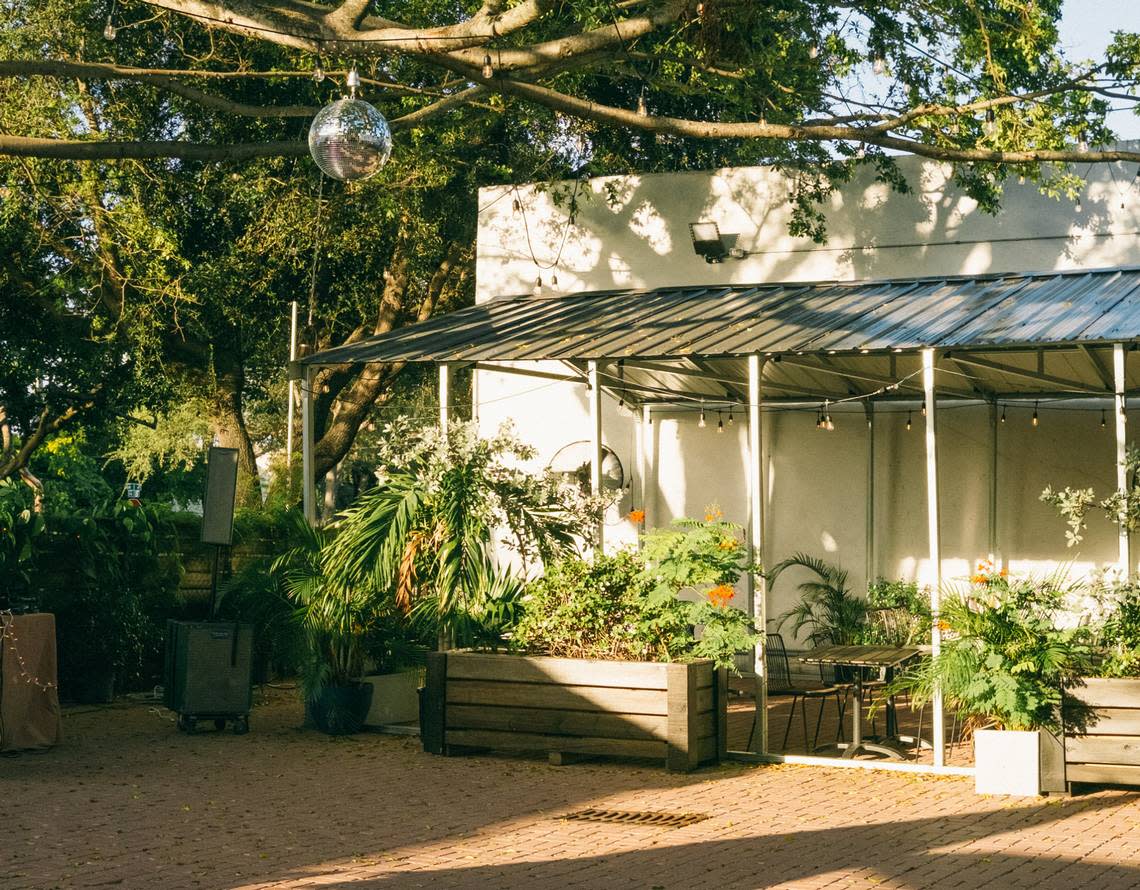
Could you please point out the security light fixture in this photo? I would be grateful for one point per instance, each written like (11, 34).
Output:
(707, 242)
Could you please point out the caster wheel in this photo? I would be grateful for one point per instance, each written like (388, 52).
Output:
(241, 726)
(219, 724)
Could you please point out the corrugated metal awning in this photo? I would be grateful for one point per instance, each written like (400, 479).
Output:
(996, 311)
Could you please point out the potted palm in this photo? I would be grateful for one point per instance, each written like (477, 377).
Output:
(1003, 665)
(336, 619)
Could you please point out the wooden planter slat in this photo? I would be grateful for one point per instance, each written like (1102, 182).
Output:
(572, 698)
(1109, 752)
(1103, 773)
(533, 741)
(557, 722)
(1103, 749)
(562, 671)
(571, 707)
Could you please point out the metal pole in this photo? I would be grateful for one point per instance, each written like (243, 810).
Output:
(292, 398)
(308, 482)
(993, 504)
(444, 397)
(642, 442)
(932, 531)
(594, 382)
(869, 408)
(756, 540)
(1121, 448)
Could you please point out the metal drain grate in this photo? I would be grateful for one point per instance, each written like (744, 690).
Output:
(637, 817)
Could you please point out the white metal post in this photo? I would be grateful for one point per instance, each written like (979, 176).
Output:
(642, 442)
(869, 407)
(1121, 448)
(444, 397)
(932, 531)
(993, 493)
(594, 383)
(308, 482)
(756, 541)
(292, 407)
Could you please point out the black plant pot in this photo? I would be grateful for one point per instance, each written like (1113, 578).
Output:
(93, 687)
(340, 710)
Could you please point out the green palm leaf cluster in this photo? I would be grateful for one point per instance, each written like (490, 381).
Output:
(827, 609)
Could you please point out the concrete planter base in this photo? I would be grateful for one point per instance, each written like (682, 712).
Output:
(395, 697)
(1023, 763)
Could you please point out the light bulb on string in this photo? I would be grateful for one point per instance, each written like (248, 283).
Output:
(818, 420)
(908, 420)
(1003, 413)
(352, 81)
(538, 285)
(828, 423)
(989, 126)
(1083, 141)
(642, 108)
(730, 417)
(1034, 421)
(1103, 422)
(488, 68)
(879, 65)
(924, 407)
(701, 423)
(554, 279)
(109, 30)
(719, 422)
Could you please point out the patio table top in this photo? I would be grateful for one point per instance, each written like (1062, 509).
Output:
(861, 656)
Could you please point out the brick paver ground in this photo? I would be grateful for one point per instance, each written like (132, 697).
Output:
(129, 802)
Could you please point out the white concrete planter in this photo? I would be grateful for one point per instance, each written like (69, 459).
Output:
(1018, 762)
(395, 697)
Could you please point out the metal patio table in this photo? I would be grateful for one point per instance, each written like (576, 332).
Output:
(859, 657)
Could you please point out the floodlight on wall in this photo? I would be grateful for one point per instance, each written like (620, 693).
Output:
(707, 242)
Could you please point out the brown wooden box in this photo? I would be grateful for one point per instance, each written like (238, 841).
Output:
(1109, 752)
(570, 706)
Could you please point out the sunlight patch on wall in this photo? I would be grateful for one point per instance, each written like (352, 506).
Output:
(647, 223)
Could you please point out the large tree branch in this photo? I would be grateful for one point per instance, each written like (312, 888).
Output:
(90, 71)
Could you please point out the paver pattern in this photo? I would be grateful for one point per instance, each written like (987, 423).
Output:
(128, 802)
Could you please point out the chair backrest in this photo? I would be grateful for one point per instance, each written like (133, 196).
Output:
(776, 660)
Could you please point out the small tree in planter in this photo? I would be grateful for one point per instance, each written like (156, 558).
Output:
(1003, 665)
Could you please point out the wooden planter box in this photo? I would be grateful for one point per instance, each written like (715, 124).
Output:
(568, 706)
(1109, 753)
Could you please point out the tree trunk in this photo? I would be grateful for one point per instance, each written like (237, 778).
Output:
(229, 427)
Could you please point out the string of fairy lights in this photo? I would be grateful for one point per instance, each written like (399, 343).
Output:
(9, 642)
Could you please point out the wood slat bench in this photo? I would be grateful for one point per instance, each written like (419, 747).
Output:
(1109, 752)
(570, 707)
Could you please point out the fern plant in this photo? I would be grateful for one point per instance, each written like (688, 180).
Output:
(827, 609)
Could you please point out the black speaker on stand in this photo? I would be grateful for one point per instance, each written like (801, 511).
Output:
(208, 663)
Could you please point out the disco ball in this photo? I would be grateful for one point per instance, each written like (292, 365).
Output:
(350, 139)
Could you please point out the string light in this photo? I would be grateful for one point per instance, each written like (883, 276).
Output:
(908, 420)
(730, 417)
(9, 642)
(318, 71)
(818, 419)
(488, 68)
(924, 407)
(1103, 422)
(352, 81)
(642, 108)
(719, 423)
(1003, 413)
(701, 423)
(879, 65)
(1034, 414)
(109, 30)
(538, 285)
(989, 127)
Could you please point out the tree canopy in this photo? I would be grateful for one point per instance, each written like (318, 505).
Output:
(160, 211)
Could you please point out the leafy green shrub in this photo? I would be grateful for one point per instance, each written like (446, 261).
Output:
(911, 605)
(1119, 636)
(1004, 661)
(625, 607)
(20, 528)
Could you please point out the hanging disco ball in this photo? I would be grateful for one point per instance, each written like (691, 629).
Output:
(350, 139)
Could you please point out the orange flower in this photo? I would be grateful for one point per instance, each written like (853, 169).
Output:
(721, 595)
(713, 513)
(637, 516)
(727, 544)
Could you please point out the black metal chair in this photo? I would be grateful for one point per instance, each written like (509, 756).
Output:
(779, 676)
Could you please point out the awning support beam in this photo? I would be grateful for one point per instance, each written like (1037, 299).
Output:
(758, 585)
(595, 397)
(1073, 385)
